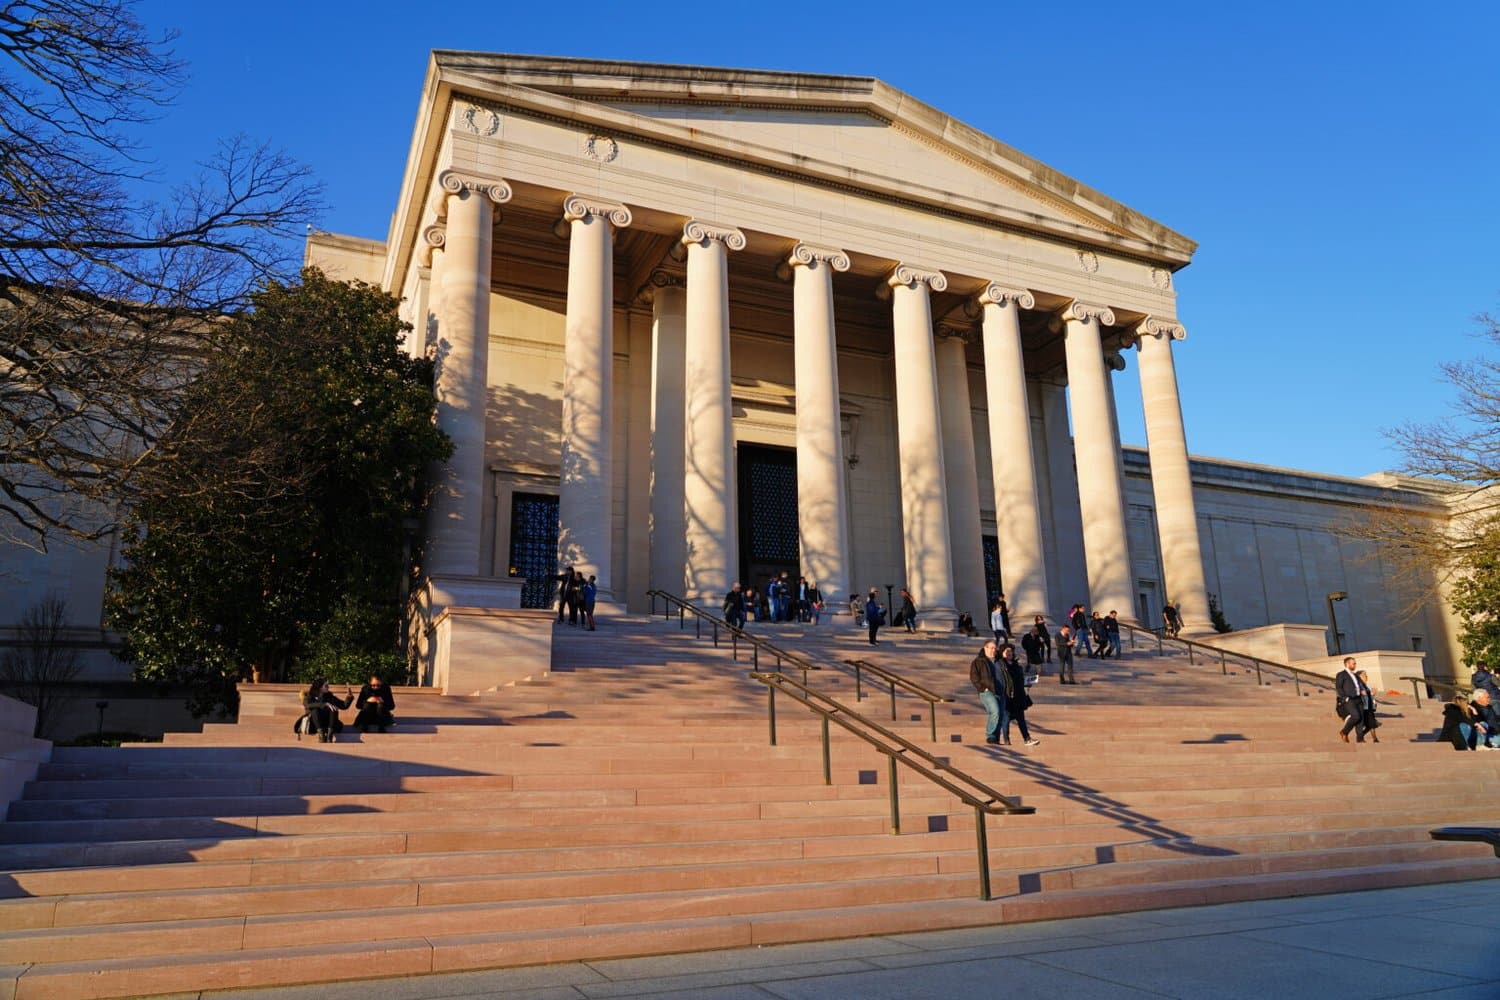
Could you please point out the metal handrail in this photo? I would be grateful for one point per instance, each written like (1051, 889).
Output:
(1446, 683)
(970, 790)
(1298, 674)
(757, 643)
(894, 680)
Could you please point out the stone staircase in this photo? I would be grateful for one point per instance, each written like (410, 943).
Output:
(628, 803)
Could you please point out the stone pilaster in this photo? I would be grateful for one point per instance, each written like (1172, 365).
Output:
(585, 507)
(822, 509)
(1171, 478)
(924, 501)
(708, 459)
(1101, 501)
(1018, 519)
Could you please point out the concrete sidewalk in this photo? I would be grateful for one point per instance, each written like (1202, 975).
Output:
(1440, 942)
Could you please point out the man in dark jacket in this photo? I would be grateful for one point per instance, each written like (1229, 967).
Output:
(734, 606)
(1350, 694)
(993, 683)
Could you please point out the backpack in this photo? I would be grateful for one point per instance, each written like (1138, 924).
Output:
(307, 725)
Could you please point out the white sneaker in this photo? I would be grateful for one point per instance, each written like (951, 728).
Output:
(1032, 743)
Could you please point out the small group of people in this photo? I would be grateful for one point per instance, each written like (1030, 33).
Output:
(576, 596)
(1099, 635)
(782, 601)
(1472, 722)
(1001, 681)
(321, 707)
(1355, 703)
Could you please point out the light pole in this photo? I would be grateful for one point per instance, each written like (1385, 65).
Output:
(1333, 623)
(889, 611)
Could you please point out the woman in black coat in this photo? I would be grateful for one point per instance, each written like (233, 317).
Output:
(1016, 698)
(375, 704)
(320, 701)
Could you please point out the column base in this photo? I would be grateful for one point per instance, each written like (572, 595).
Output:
(940, 619)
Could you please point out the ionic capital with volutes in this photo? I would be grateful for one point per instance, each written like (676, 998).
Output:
(1153, 327)
(659, 279)
(493, 188)
(576, 207)
(910, 275)
(945, 331)
(1083, 312)
(998, 295)
(810, 255)
(433, 238)
(698, 233)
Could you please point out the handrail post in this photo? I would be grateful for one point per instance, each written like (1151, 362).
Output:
(895, 798)
(893, 701)
(697, 627)
(716, 635)
(755, 656)
(1158, 644)
(734, 646)
(1190, 654)
(1297, 684)
(1257, 672)
(859, 690)
(1415, 693)
(1132, 638)
(681, 618)
(771, 710)
(1223, 664)
(982, 841)
(827, 755)
(932, 716)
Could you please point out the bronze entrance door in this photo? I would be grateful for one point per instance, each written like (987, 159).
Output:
(768, 544)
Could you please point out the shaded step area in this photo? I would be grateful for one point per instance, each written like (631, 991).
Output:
(629, 803)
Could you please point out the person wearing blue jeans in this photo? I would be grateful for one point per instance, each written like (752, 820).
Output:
(993, 683)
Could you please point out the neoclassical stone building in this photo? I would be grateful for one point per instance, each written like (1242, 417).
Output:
(742, 322)
(700, 325)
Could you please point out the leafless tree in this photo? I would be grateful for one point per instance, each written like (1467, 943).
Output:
(40, 667)
(109, 285)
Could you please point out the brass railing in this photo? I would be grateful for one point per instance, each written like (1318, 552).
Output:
(895, 680)
(1208, 652)
(736, 634)
(897, 749)
(1452, 684)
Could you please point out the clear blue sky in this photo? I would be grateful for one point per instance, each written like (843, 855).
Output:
(1336, 162)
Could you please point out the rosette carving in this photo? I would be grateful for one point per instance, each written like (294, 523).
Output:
(454, 182)
(908, 275)
(577, 207)
(1083, 312)
(1088, 260)
(703, 233)
(999, 295)
(1153, 327)
(806, 254)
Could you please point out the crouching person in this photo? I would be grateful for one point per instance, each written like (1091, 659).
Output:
(322, 707)
(376, 704)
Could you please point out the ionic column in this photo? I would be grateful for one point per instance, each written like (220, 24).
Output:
(462, 375)
(668, 335)
(708, 457)
(960, 472)
(1100, 498)
(1171, 478)
(924, 500)
(822, 509)
(1018, 517)
(585, 488)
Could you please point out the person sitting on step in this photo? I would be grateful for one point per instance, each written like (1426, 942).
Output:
(320, 701)
(376, 704)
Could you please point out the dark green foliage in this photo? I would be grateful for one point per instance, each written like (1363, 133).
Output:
(272, 528)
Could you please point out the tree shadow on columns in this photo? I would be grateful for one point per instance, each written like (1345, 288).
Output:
(698, 519)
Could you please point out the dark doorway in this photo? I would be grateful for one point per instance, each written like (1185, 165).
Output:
(768, 514)
(533, 546)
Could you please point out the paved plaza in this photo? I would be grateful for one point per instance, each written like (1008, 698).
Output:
(1440, 942)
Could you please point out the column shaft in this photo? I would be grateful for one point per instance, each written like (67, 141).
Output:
(1069, 578)
(708, 458)
(961, 477)
(1101, 501)
(586, 483)
(1171, 480)
(1018, 518)
(462, 382)
(668, 334)
(924, 501)
(822, 509)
